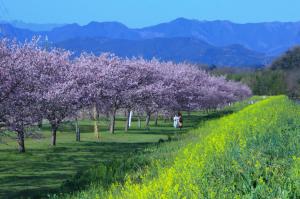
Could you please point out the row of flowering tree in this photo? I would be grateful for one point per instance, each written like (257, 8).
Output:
(37, 84)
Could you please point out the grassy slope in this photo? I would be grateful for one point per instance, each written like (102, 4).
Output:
(150, 161)
(43, 168)
(254, 153)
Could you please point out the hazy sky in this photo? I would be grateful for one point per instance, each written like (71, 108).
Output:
(138, 13)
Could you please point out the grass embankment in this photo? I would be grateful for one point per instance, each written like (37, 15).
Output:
(254, 153)
(72, 166)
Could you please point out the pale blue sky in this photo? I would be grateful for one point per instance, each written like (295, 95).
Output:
(138, 13)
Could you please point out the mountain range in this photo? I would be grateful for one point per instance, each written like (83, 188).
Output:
(32, 26)
(209, 42)
(177, 49)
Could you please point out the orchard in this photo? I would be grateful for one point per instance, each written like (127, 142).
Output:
(39, 84)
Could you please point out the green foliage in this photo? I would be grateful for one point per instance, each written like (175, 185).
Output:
(281, 77)
(242, 104)
(288, 61)
(253, 153)
(261, 81)
(268, 82)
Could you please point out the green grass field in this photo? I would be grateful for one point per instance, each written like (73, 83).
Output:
(43, 168)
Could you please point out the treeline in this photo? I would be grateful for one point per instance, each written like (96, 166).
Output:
(37, 84)
(281, 77)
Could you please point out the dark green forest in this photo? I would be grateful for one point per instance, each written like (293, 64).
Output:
(282, 76)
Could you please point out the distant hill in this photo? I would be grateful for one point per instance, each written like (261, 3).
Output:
(288, 61)
(289, 65)
(251, 44)
(112, 30)
(272, 38)
(175, 49)
(33, 26)
(9, 31)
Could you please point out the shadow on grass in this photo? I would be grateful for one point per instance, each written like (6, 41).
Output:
(35, 176)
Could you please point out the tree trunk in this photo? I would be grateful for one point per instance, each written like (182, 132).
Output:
(148, 120)
(127, 120)
(77, 130)
(156, 119)
(96, 130)
(139, 122)
(21, 142)
(112, 121)
(165, 118)
(95, 116)
(40, 123)
(54, 129)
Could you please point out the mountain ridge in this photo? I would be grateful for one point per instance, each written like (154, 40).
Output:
(268, 38)
(170, 49)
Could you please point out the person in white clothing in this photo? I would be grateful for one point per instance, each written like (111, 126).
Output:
(176, 121)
